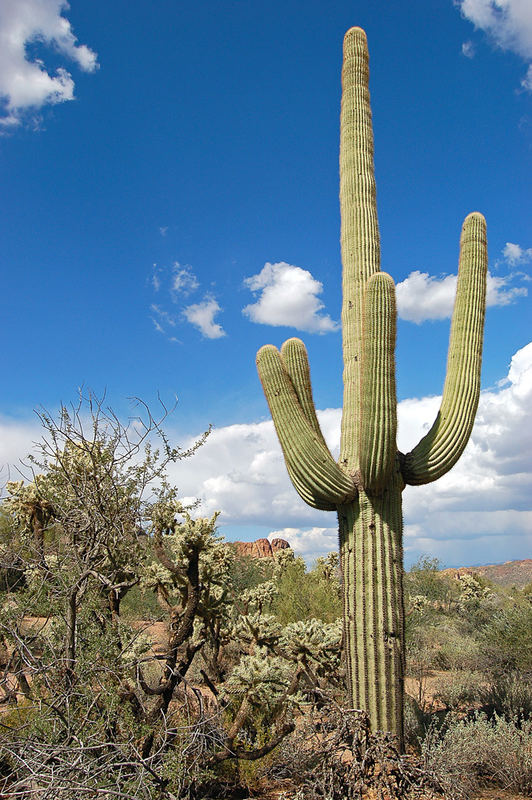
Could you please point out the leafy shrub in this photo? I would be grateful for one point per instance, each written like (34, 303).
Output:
(459, 688)
(507, 640)
(508, 695)
(468, 752)
(416, 722)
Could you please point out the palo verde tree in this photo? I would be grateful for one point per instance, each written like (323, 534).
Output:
(366, 484)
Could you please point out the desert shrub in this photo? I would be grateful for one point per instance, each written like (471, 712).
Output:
(138, 604)
(425, 579)
(416, 722)
(509, 695)
(468, 752)
(304, 595)
(459, 649)
(247, 572)
(459, 688)
(506, 639)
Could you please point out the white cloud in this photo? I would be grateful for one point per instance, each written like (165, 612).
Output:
(480, 512)
(422, 297)
(468, 49)
(201, 315)
(16, 442)
(507, 22)
(179, 282)
(183, 279)
(288, 296)
(25, 84)
(309, 542)
(514, 254)
(161, 318)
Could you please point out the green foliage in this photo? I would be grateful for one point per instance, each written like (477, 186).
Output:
(459, 689)
(466, 751)
(425, 580)
(307, 595)
(508, 694)
(507, 639)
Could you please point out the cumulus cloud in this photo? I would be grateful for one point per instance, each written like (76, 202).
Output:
(479, 512)
(514, 254)
(288, 295)
(422, 297)
(508, 23)
(25, 83)
(201, 315)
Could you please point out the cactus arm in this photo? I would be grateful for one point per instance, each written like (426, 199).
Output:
(295, 360)
(359, 227)
(443, 445)
(378, 414)
(314, 473)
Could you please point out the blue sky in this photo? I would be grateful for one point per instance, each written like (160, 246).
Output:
(170, 203)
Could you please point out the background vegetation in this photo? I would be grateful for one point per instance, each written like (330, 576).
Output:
(142, 657)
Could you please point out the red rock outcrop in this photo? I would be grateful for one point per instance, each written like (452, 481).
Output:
(261, 548)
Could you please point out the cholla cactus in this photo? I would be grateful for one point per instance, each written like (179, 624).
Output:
(472, 591)
(30, 509)
(312, 641)
(261, 630)
(258, 597)
(365, 486)
(261, 678)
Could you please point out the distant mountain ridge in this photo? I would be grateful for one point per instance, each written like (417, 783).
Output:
(511, 573)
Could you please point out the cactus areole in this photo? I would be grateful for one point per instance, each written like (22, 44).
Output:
(366, 484)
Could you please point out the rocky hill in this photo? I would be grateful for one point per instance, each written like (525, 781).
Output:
(261, 548)
(511, 573)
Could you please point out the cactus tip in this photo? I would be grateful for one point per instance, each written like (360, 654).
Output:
(266, 348)
(355, 32)
(475, 216)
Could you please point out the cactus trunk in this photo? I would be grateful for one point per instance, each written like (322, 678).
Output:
(365, 486)
(371, 561)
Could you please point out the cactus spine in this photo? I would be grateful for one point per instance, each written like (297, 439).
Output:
(365, 486)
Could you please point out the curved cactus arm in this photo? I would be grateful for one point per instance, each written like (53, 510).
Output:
(314, 473)
(359, 225)
(378, 415)
(443, 445)
(295, 360)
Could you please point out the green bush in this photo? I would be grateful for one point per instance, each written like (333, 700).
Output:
(466, 753)
(507, 639)
(509, 695)
(459, 689)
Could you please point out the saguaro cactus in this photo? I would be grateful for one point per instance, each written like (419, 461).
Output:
(365, 486)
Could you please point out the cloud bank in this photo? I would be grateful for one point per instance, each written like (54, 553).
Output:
(25, 83)
(288, 295)
(480, 512)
